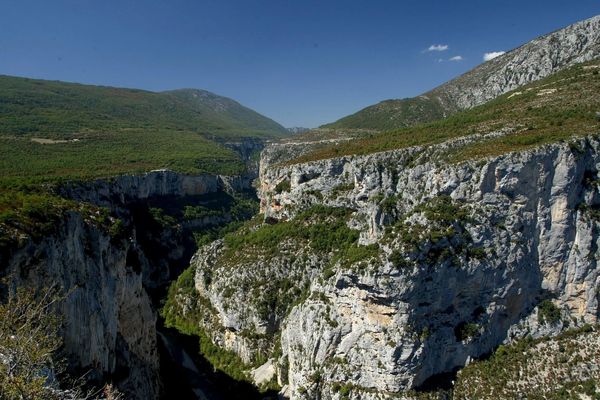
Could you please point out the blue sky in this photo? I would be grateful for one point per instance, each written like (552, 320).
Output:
(302, 63)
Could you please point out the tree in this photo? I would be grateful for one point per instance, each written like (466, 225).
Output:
(29, 340)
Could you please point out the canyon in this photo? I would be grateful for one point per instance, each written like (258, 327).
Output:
(319, 271)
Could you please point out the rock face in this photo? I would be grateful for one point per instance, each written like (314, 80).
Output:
(109, 319)
(125, 189)
(467, 256)
(109, 323)
(533, 61)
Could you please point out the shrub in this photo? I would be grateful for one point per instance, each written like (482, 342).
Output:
(397, 258)
(388, 204)
(548, 313)
(283, 186)
(466, 330)
(161, 218)
(28, 339)
(29, 344)
(118, 229)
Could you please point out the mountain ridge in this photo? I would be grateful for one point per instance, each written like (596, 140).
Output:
(46, 127)
(536, 59)
(49, 106)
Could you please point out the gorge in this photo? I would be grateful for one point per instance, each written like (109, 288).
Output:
(346, 262)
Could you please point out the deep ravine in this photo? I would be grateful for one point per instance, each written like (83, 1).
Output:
(116, 277)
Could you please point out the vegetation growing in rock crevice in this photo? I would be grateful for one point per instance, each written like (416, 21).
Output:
(548, 313)
(441, 237)
(283, 186)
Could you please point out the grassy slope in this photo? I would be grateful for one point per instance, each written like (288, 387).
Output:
(117, 130)
(392, 114)
(535, 114)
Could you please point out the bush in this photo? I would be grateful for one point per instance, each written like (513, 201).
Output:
(118, 230)
(28, 339)
(162, 219)
(283, 186)
(466, 330)
(548, 313)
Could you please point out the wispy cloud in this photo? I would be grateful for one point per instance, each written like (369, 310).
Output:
(492, 55)
(456, 58)
(438, 47)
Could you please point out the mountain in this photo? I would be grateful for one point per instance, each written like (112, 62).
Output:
(539, 58)
(460, 254)
(57, 130)
(228, 112)
(54, 107)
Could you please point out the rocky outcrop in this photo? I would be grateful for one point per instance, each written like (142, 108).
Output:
(124, 189)
(466, 256)
(108, 320)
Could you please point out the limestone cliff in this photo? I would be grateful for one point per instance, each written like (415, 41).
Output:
(107, 274)
(450, 260)
(124, 189)
(109, 323)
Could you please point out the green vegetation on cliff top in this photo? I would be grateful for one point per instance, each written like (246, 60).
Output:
(559, 107)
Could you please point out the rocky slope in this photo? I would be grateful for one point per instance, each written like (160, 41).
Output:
(377, 273)
(537, 59)
(559, 367)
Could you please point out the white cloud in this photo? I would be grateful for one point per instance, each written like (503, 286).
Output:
(438, 47)
(492, 55)
(455, 58)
